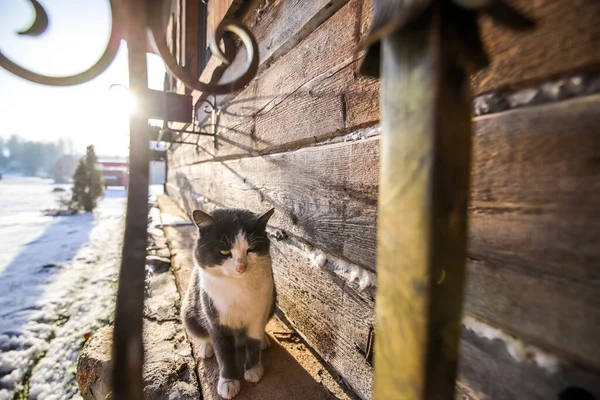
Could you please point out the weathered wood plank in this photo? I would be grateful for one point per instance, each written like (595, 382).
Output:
(534, 208)
(554, 311)
(333, 316)
(278, 28)
(491, 373)
(535, 185)
(566, 39)
(312, 189)
(330, 106)
(300, 80)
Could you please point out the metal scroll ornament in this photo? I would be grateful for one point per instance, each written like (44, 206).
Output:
(157, 40)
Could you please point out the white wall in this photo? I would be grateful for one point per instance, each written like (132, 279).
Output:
(157, 172)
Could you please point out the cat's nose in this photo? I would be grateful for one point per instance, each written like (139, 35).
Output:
(240, 266)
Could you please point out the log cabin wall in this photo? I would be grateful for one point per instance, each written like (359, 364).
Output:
(303, 137)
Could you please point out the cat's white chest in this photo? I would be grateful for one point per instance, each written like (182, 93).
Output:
(240, 303)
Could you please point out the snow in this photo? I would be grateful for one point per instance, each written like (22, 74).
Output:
(519, 350)
(351, 272)
(57, 283)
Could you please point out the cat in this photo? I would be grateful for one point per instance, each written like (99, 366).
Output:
(231, 294)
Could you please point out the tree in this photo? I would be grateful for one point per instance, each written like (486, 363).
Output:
(87, 182)
(31, 157)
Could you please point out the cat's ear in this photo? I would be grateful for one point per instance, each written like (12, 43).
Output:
(261, 222)
(202, 219)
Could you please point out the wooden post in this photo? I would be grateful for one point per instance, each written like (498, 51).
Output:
(422, 223)
(128, 351)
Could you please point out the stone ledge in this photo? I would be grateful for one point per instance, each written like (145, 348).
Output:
(169, 368)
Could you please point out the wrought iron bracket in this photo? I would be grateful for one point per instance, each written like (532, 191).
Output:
(174, 135)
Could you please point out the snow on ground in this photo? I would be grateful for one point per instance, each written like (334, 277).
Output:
(57, 283)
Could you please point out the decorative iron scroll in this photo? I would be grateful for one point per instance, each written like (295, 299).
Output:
(157, 32)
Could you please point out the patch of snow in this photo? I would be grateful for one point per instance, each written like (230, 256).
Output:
(520, 351)
(351, 272)
(317, 258)
(57, 282)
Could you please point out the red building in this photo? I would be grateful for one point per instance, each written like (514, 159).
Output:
(115, 172)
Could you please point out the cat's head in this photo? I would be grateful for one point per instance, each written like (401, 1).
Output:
(232, 242)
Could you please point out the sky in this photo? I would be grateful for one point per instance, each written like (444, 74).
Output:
(76, 37)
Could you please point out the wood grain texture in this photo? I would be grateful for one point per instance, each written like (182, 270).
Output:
(281, 25)
(325, 97)
(533, 218)
(333, 316)
(277, 28)
(534, 208)
(312, 190)
(330, 106)
(566, 39)
(491, 373)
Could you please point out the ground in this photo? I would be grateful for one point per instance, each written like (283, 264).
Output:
(57, 284)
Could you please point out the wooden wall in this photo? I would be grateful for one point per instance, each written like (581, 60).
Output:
(303, 138)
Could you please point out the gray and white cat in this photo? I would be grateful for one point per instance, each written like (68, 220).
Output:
(231, 294)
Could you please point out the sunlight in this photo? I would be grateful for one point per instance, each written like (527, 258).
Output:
(85, 114)
(121, 100)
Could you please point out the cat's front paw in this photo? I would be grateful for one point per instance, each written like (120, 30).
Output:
(205, 349)
(255, 373)
(228, 388)
(265, 344)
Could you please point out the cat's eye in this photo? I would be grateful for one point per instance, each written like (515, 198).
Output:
(225, 252)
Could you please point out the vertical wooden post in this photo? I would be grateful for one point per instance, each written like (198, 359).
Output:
(128, 351)
(423, 194)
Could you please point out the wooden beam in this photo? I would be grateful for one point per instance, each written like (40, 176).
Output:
(192, 26)
(422, 221)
